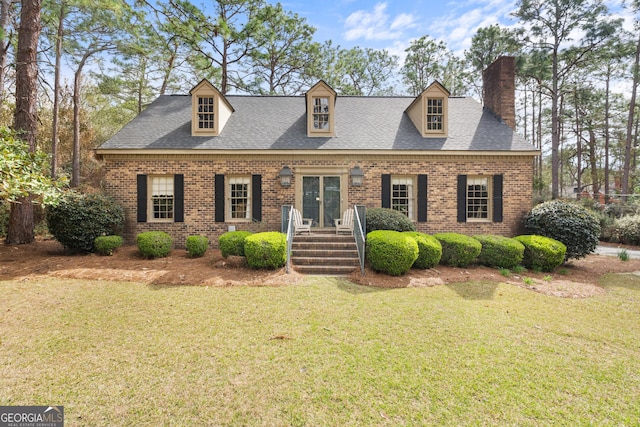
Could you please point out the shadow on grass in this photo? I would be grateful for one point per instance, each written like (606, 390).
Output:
(355, 289)
(475, 290)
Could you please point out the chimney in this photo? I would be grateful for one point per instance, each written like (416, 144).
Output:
(499, 89)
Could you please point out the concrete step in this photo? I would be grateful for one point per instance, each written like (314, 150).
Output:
(326, 270)
(323, 246)
(324, 254)
(298, 260)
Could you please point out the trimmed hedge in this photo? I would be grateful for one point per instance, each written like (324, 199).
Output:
(154, 244)
(499, 251)
(458, 250)
(196, 246)
(542, 253)
(78, 219)
(387, 219)
(391, 252)
(266, 250)
(568, 223)
(232, 243)
(105, 245)
(429, 250)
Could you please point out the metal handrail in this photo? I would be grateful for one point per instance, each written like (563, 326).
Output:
(289, 222)
(359, 225)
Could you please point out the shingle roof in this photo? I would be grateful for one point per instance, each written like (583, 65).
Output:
(278, 123)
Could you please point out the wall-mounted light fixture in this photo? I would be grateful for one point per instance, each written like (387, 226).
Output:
(357, 176)
(285, 176)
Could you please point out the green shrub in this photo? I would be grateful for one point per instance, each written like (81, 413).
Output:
(627, 230)
(266, 250)
(232, 243)
(568, 223)
(499, 251)
(197, 246)
(4, 217)
(78, 219)
(154, 244)
(542, 253)
(105, 245)
(458, 250)
(387, 219)
(429, 250)
(391, 252)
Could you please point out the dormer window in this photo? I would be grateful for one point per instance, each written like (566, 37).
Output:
(429, 111)
(206, 114)
(210, 110)
(435, 114)
(321, 100)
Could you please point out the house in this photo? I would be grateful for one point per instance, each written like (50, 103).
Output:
(205, 163)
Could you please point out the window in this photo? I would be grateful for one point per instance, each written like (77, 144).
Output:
(435, 115)
(205, 112)
(239, 197)
(162, 198)
(478, 198)
(402, 195)
(321, 113)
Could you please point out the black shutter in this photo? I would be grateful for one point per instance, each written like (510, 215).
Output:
(462, 198)
(256, 197)
(142, 197)
(386, 191)
(497, 198)
(422, 198)
(178, 198)
(219, 199)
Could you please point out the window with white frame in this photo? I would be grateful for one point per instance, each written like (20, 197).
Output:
(321, 113)
(162, 198)
(402, 195)
(206, 112)
(239, 192)
(478, 198)
(435, 114)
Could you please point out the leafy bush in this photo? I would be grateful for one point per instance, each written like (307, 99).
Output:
(429, 250)
(542, 253)
(391, 252)
(568, 223)
(105, 245)
(232, 242)
(154, 244)
(78, 219)
(266, 250)
(197, 246)
(499, 251)
(458, 250)
(387, 219)
(4, 217)
(627, 230)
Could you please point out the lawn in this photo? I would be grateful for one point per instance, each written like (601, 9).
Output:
(321, 352)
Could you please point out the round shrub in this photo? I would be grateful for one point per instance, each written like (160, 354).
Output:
(458, 250)
(387, 219)
(266, 250)
(391, 252)
(105, 245)
(568, 223)
(154, 244)
(197, 246)
(429, 250)
(542, 253)
(627, 230)
(499, 251)
(78, 219)
(232, 243)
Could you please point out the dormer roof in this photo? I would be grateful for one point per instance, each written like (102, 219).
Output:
(429, 111)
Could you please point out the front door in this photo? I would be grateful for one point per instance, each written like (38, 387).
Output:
(321, 199)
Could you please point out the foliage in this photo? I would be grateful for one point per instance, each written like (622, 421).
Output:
(154, 244)
(4, 217)
(232, 243)
(458, 250)
(105, 245)
(78, 219)
(266, 250)
(569, 223)
(623, 255)
(387, 219)
(391, 252)
(542, 253)
(627, 230)
(429, 250)
(197, 246)
(499, 251)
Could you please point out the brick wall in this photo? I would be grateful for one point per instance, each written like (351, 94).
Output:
(199, 172)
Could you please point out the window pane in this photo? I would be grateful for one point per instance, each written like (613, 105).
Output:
(239, 201)
(321, 113)
(162, 197)
(435, 114)
(402, 196)
(205, 113)
(478, 198)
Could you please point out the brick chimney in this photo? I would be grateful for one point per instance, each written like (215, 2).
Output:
(499, 87)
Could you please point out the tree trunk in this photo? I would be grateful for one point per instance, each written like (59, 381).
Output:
(56, 92)
(632, 109)
(5, 41)
(21, 224)
(77, 80)
(606, 135)
(555, 130)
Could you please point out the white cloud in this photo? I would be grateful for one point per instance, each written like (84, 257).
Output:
(377, 24)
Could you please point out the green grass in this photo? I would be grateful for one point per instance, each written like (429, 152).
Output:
(323, 352)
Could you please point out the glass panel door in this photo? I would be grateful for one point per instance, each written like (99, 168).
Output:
(321, 199)
(331, 200)
(311, 198)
